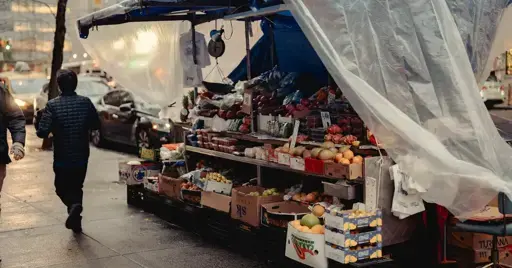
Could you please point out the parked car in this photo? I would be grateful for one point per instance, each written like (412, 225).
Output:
(92, 87)
(493, 91)
(127, 119)
(24, 86)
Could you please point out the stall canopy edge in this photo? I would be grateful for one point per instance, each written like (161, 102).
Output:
(160, 10)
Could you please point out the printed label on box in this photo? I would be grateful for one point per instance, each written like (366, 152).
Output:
(297, 163)
(283, 159)
(306, 248)
(218, 187)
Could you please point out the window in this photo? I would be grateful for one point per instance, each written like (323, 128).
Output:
(126, 97)
(32, 8)
(91, 88)
(113, 98)
(27, 86)
(35, 26)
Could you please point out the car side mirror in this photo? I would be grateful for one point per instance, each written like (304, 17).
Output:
(126, 107)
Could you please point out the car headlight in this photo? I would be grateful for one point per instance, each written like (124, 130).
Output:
(162, 127)
(20, 102)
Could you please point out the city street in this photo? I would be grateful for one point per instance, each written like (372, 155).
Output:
(32, 232)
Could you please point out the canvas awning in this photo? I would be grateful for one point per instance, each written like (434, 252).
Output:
(159, 10)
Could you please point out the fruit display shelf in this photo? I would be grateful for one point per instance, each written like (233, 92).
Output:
(257, 162)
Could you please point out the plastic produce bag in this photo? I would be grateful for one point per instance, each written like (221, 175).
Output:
(404, 63)
(406, 199)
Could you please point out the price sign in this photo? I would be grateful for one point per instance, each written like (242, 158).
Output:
(326, 119)
(295, 133)
(247, 104)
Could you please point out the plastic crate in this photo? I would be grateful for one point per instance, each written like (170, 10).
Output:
(136, 195)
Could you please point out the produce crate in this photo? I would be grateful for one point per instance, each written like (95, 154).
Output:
(341, 189)
(135, 195)
(183, 214)
(314, 166)
(217, 226)
(349, 239)
(350, 172)
(149, 154)
(347, 220)
(246, 239)
(154, 203)
(352, 255)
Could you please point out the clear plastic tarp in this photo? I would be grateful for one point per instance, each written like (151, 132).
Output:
(404, 67)
(144, 57)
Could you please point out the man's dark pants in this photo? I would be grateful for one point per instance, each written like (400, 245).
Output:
(69, 182)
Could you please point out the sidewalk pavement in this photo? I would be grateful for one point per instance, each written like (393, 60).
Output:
(32, 232)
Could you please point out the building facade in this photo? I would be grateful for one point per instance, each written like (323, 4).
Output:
(27, 29)
(28, 26)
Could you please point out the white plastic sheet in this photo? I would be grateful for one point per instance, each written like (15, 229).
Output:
(145, 57)
(403, 65)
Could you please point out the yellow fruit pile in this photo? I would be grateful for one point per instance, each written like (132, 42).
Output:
(317, 229)
(309, 224)
(214, 176)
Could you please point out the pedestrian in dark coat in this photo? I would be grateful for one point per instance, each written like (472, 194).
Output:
(12, 118)
(69, 118)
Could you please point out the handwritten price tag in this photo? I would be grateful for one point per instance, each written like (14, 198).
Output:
(326, 119)
(295, 133)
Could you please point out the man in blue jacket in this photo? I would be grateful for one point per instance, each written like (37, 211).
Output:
(11, 117)
(70, 118)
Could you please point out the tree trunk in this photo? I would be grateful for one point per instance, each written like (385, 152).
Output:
(58, 55)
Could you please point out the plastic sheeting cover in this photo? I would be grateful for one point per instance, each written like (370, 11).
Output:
(403, 65)
(145, 57)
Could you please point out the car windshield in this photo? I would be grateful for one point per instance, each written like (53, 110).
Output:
(145, 106)
(27, 86)
(91, 88)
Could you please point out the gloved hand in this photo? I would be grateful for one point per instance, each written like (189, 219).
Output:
(18, 151)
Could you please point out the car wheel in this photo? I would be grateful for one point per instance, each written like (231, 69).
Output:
(97, 138)
(143, 139)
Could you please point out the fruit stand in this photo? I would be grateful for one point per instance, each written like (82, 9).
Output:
(282, 162)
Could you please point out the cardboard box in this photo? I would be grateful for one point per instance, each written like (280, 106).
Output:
(298, 163)
(216, 201)
(476, 241)
(170, 187)
(477, 258)
(283, 159)
(484, 256)
(351, 255)
(151, 184)
(345, 220)
(218, 187)
(314, 166)
(341, 189)
(347, 239)
(247, 208)
(134, 174)
(306, 248)
(191, 196)
(281, 213)
(339, 171)
(149, 154)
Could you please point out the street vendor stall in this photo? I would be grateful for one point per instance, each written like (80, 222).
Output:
(374, 99)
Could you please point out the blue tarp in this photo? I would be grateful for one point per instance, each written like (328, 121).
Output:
(293, 51)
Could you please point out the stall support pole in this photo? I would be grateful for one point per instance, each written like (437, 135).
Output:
(248, 48)
(248, 57)
(194, 47)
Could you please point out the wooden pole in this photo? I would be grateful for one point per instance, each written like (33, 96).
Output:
(194, 47)
(58, 55)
